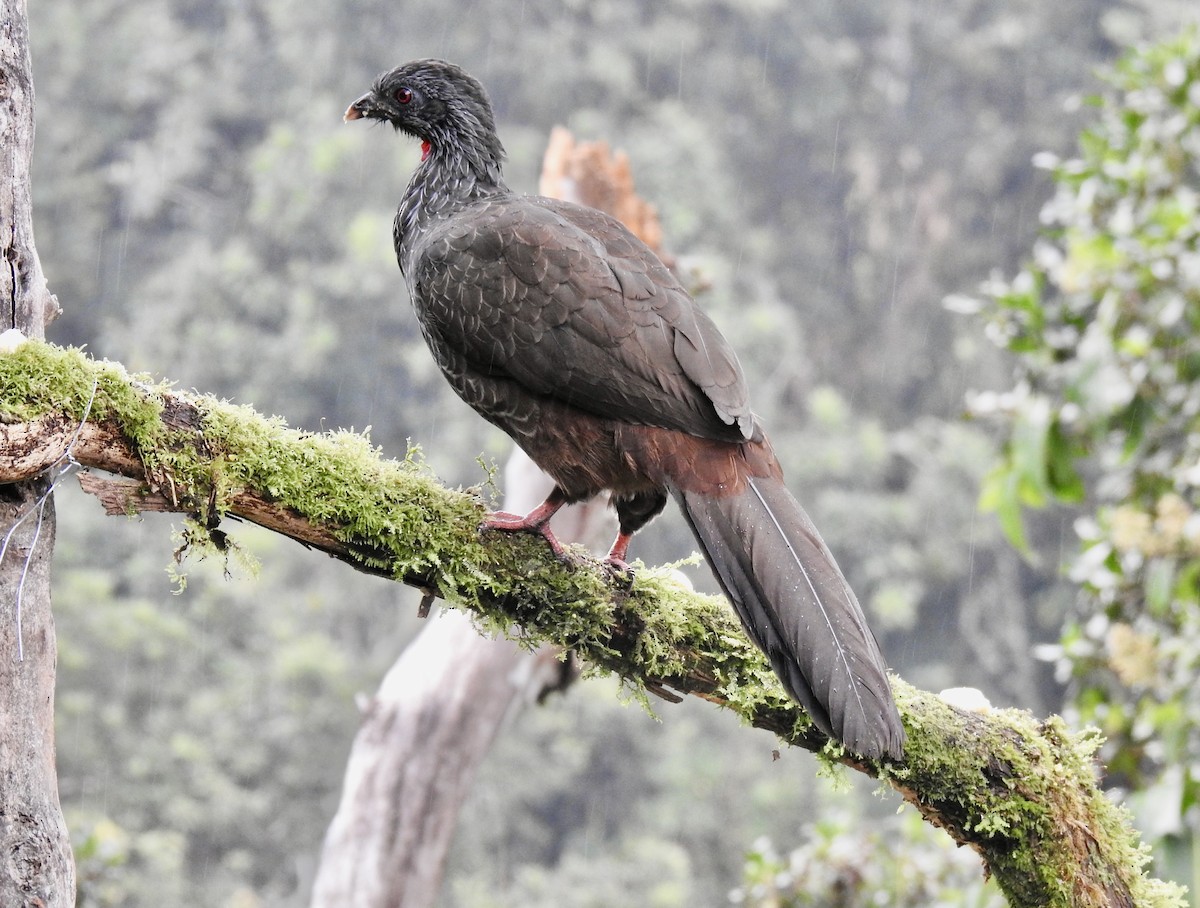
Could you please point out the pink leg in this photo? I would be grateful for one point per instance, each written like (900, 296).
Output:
(536, 521)
(620, 548)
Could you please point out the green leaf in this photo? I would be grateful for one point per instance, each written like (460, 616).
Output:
(1062, 453)
(999, 495)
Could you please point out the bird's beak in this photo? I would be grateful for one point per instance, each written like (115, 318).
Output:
(360, 108)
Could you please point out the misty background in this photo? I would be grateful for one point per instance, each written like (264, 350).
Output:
(827, 172)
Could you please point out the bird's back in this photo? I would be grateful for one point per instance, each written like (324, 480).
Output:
(566, 301)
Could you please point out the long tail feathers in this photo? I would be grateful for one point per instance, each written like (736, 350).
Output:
(798, 608)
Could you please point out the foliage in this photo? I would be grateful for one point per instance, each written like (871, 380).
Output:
(1105, 326)
(900, 862)
(583, 801)
(180, 790)
(113, 867)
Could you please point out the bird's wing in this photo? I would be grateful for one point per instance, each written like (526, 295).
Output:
(566, 302)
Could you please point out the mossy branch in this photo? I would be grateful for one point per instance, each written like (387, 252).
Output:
(1023, 793)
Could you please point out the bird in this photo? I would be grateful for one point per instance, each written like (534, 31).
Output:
(559, 326)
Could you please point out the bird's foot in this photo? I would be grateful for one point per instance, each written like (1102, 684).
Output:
(621, 571)
(615, 559)
(515, 523)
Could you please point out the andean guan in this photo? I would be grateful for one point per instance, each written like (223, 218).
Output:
(562, 328)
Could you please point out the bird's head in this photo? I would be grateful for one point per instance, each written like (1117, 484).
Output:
(437, 102)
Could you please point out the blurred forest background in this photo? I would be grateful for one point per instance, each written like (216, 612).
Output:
(830, 172)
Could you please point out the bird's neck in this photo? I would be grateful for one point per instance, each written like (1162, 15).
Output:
(448, 179)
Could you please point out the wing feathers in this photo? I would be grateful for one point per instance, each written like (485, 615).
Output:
(565, 301)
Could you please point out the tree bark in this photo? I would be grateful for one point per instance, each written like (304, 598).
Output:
(36, 865)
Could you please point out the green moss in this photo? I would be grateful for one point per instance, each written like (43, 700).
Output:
(396, 518)
(393, 512)
(1017, 788)
(1027, 790)
(39, 378)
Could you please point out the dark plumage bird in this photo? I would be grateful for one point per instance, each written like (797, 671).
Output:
(562, 328)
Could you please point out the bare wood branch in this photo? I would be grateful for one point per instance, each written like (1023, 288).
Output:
(125, 496)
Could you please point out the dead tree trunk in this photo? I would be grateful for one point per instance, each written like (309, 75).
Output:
(427, 731)
(36, 866)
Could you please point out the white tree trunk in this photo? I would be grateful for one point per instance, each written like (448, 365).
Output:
(426, 732)
(36, 865)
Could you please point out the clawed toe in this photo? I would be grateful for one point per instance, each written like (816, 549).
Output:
(618, 566)
(512, 523)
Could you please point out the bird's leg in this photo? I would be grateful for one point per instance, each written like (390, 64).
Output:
(616, 554)
(633, 512)
(536, 521)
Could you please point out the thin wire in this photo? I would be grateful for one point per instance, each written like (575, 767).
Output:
(40, 507)
(37, 532)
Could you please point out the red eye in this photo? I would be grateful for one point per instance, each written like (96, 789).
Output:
(403, 95)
